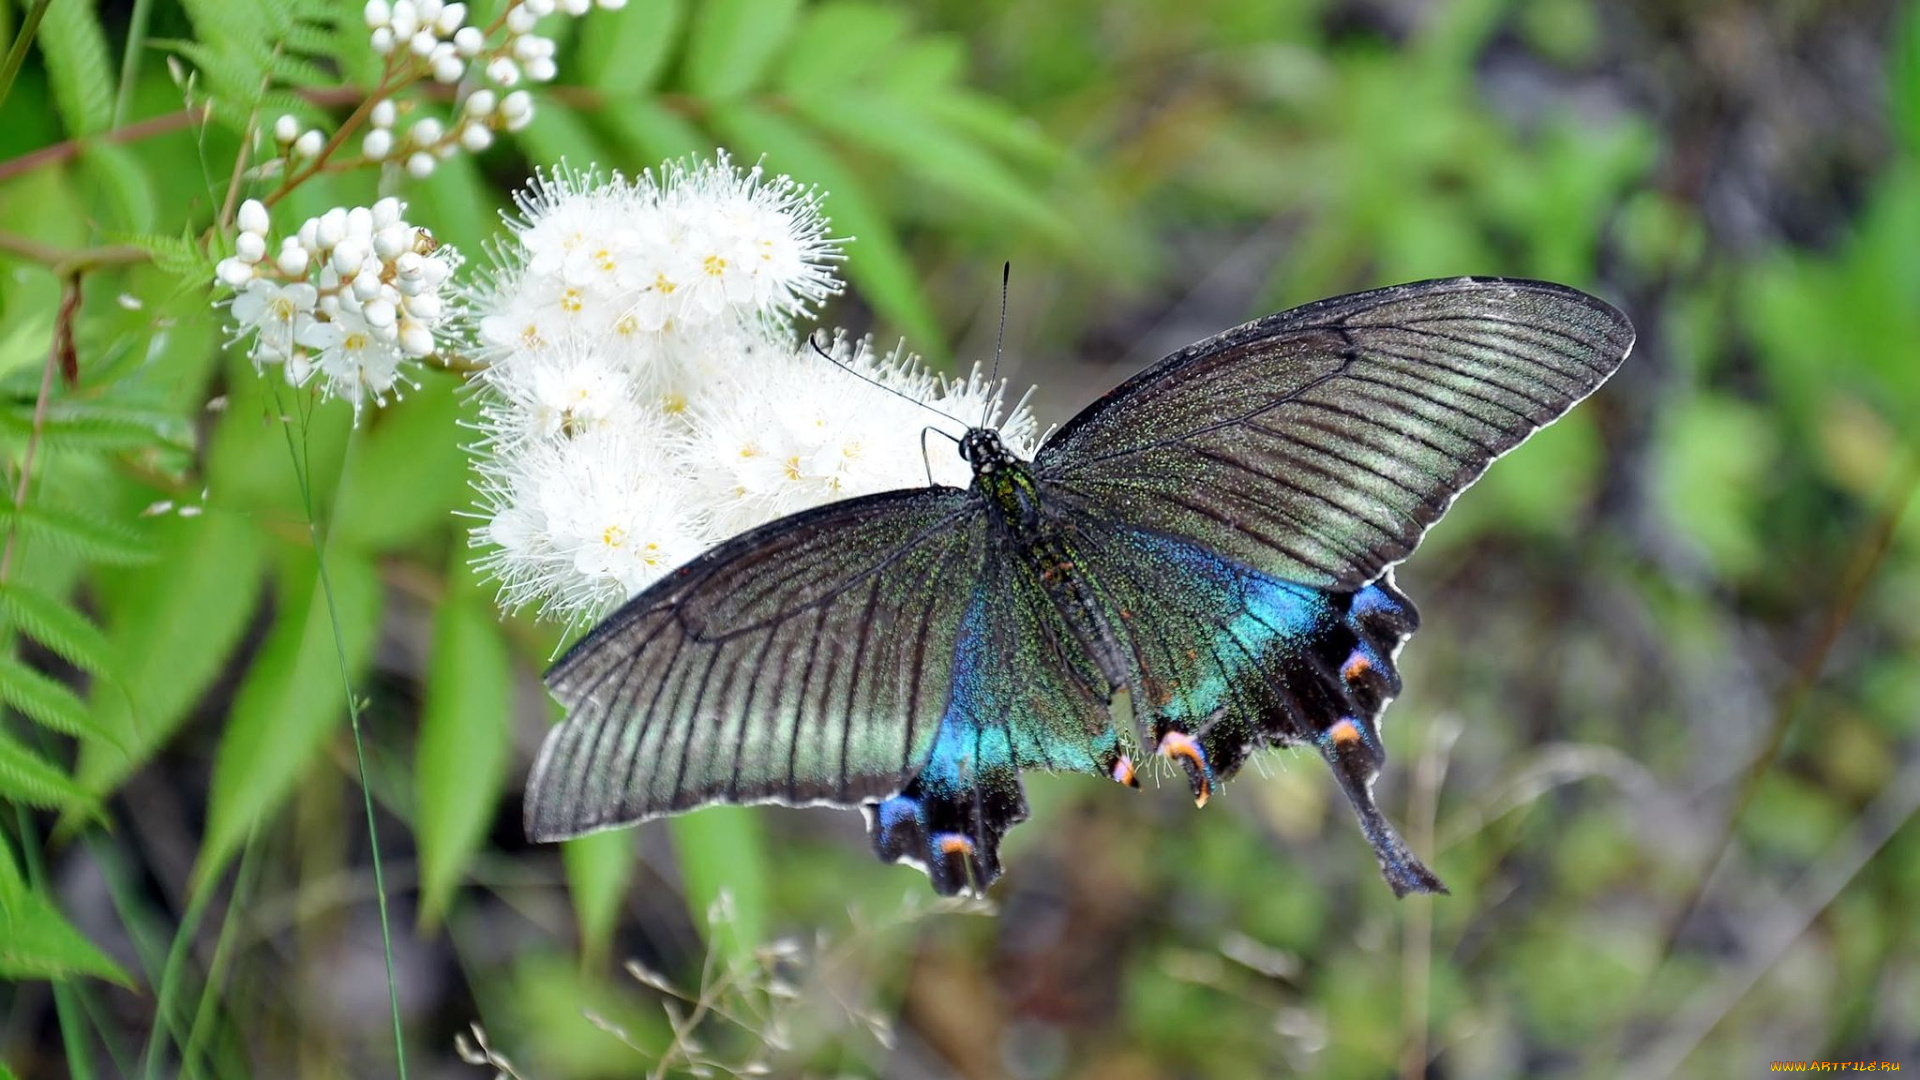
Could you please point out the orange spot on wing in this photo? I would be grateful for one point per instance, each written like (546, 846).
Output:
(1123, 772)
(1345, 731)
(1357, 665)
(955, 845)
(1178, 744)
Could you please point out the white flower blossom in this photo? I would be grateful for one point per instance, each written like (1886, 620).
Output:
(576, 525)
(352, 297)
(646, 394)
(799, 431)
(278, 313)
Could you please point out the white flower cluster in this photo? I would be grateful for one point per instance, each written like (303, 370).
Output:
(432, 39)
(351, 297)
(646, 395)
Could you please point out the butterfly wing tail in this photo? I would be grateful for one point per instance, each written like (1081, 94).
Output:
(1364, 679)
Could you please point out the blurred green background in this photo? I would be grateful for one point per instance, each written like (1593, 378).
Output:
(1661, 729)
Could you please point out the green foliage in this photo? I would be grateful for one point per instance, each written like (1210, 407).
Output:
(466, 736)
(247, 54)
(36, 941)
(291, 699)
(54, 623)
(26, 777)
(599, 870)
(77, 66)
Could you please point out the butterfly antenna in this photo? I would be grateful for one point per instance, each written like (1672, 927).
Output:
(999, 339)
(848, 368)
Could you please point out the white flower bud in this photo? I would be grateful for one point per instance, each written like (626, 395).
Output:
(383, 113)
(309, 235)
(333, 228)
(542, 69)
(480, 103)
(377, 144)
(502, 70)
(428, 10)
(539, 9)
(387, 212)
(416, 339)
(576, 8)
(435, 272)
(233, 273)
(347, 256)
(421, 43)
(360, 223)
(329, 284)
(612, 5)
(366, 284)
(405, 20)
(379, 313)
(391, 241)
(468, 41)
(516, 105)
(447, 66)
(451, 19)
(526, 47)
(475, 138)
(426, 131)
(308, 145)
(377, 14)
(293, 259)
(286, 129)
(253, 217)
(381, 40)
(250, 247)
(410, 265)
(420, 165)
(425, 306)
(521, 20)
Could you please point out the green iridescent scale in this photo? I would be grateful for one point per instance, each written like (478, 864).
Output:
(1214, 538)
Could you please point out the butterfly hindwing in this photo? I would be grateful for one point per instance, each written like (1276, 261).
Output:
(1026, 695)
(808, 660)
(1317, 445)
(1231, 661)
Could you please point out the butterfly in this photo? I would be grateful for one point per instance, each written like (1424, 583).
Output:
(1215, 539)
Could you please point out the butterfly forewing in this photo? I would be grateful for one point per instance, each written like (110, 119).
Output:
(1317, 445)
(807, 660)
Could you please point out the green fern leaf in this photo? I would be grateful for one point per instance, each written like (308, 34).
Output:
(31, 780)
(176, 256)
(55, 624)
(48, 702)
(78, 67)
(78, 534)
(37, 942)
(86, 426)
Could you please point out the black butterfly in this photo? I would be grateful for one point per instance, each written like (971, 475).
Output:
(1216, 537)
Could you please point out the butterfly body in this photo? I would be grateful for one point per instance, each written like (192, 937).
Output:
(1213, 539)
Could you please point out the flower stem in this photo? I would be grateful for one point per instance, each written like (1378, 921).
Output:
(300, 466)
(22, 41)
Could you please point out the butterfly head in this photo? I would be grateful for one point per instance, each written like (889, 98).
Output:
(983, 450)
